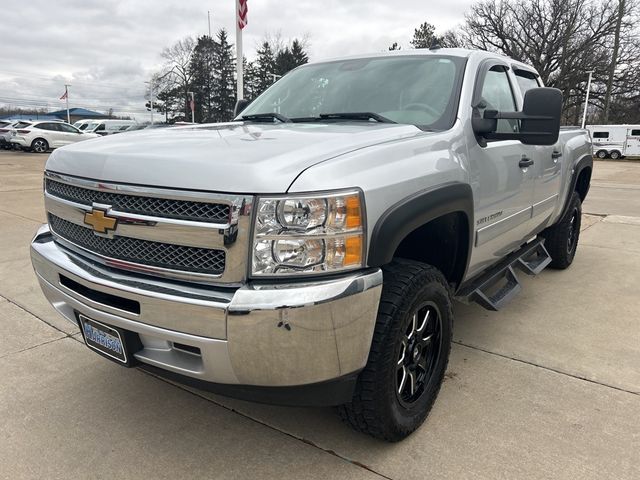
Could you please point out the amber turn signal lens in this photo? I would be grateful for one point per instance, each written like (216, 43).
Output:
(353, 251)
(354, 213)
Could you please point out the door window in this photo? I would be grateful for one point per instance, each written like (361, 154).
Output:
(526, 81)
(600, 134)
(67, 128)
(498, 95)
(635, 133)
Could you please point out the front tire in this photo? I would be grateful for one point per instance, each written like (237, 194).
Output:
(602, 154)
(409, 353)
(40, 145)
(561, 239)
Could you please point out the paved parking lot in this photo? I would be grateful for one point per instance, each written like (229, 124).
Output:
(547, 388)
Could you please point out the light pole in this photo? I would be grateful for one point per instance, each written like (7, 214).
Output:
(586, 100)
(151, 99)
(192, 105)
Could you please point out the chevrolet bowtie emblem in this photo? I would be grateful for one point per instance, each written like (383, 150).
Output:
(99, 221)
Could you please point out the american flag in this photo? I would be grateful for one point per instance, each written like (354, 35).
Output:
(243, 10)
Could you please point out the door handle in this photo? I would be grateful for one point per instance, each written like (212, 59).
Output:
(525, 162)
(556, 154)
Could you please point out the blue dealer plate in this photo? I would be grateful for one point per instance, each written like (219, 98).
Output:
(103, 339)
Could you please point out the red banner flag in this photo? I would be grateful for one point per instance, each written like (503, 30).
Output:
(243, 10)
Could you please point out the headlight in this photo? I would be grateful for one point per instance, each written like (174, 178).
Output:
(306, 234)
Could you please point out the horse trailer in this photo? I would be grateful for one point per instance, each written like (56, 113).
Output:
(615, 141)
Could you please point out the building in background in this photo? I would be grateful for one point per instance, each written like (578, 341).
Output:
(78, 114)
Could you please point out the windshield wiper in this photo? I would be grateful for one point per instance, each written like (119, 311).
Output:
(356, 116)
(266, 116)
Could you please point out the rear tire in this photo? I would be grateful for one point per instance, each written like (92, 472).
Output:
(561, 240)
(615, 155)
(40, 145)
(602, 154)
(409, 353)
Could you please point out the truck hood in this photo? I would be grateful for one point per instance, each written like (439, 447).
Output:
(231, 157)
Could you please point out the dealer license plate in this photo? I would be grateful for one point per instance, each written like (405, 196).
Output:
(104, 339)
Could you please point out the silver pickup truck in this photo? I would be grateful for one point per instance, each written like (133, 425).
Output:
(309, 252)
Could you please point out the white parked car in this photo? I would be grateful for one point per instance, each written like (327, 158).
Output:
(6, 132)
(41, 136)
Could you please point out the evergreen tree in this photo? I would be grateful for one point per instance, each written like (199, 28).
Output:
(264, 68)
(423, 36)
(172, 104)
(300, 57)
(250, 80)
(284, 62)
(224, 91)
(201, 69)
(290, 57)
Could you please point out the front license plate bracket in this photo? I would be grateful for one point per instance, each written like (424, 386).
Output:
(111, 342)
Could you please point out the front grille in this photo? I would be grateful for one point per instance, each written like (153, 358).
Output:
(157, 207)
(163, 255)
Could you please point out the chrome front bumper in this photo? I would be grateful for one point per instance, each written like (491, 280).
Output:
(273, 335)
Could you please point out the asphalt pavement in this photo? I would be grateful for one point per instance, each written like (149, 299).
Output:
(549, 387)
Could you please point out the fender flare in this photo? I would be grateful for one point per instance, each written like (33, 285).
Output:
(585, 162)
(414, 211)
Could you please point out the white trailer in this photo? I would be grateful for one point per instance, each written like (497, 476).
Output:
(615, 141)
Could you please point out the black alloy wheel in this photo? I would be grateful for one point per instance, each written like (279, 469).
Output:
(418, 352)
(573, 230)
(409, 353)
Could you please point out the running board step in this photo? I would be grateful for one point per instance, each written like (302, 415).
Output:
(533, 262)
(497, 287)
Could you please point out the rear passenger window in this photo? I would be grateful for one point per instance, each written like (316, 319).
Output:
(600, 134)
(497, 95)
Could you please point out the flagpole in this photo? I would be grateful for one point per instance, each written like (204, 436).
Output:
(66, 95)
(192, 104)
(239, 56)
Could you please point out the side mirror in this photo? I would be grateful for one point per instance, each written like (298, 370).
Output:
(539, 120)
(240, 106)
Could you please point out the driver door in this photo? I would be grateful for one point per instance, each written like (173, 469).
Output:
(502, 179)
(70, 134)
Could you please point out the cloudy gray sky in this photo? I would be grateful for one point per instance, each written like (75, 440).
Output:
(107, 49)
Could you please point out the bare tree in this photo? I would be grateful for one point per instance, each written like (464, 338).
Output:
(562, 39)
(625, 23)
(176, 73)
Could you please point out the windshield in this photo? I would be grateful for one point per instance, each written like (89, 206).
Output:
(88, 126)
(420, 90)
